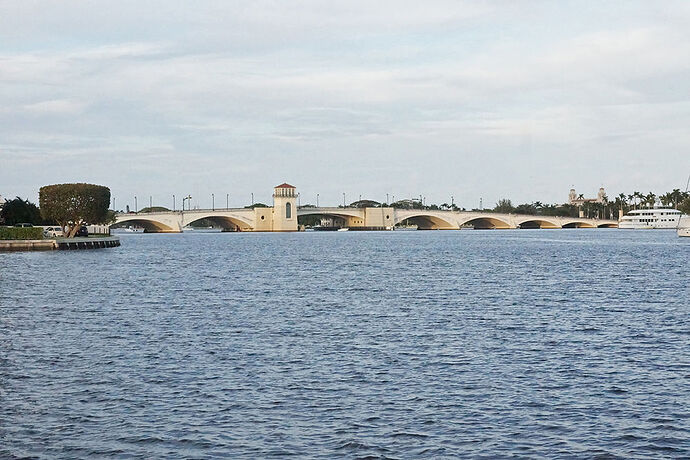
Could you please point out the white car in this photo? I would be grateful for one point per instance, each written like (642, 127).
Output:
(52, 232)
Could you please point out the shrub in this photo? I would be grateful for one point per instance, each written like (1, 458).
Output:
(21, 233)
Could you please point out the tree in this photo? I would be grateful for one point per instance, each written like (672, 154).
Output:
(504, 205)
(684, 206)
(72, 205)
(19, 211)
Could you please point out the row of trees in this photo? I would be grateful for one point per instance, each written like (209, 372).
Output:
(68, 205)
(607, 209)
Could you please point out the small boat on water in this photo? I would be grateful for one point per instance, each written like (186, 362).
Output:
(343, 229)
(135, 229)
(405, 228)
(684, 226)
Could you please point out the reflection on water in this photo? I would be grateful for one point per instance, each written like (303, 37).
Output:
(392, 344)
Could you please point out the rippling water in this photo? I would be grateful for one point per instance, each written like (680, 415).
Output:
(320, 345)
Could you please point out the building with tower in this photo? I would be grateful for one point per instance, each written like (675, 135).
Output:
(282, 217)
(579, 200)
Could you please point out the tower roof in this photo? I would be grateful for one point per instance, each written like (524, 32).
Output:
(284, 185)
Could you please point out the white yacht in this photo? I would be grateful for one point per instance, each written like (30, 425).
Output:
(684, 226)
(652, 218)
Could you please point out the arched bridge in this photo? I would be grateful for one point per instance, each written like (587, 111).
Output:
(261, 219)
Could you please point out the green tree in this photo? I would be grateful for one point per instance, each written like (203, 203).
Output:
(19, 211)
(72, 205)
(504, 205)
(684, 206)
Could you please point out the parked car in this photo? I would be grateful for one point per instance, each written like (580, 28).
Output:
(83, 231)
(52, 231)
(23, 224)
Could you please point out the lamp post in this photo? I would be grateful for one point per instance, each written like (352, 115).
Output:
(114, 205)
(344, 200)
(452, 202)
(173, 202)
(252, 198)
(150, 202)
(227, 201)
(317, 200)
(213, 202)
(187, 198)
(135, 204)
(386, 199)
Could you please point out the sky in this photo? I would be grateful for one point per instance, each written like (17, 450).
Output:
(470, 100)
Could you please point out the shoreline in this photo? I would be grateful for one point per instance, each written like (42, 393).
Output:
(59, 244)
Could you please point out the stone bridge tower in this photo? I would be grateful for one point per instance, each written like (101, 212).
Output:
(284, 208)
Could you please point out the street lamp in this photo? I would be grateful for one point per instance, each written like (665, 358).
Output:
(227, 201)
(344, 199)
(213, 202)
(173, 202)
(150, 202)
(386, 199)
(252, 198)
(135, 204)
(317, 200)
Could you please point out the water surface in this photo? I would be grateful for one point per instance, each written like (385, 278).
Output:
(521, 343)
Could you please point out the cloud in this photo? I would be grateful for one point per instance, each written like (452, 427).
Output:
(360, 86)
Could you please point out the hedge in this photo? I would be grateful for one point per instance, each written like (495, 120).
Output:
(21, 233)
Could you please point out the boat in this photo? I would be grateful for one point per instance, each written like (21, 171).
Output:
(651, 218)
(343, 229)
(684, 226)
(135, 229)
(405, 228)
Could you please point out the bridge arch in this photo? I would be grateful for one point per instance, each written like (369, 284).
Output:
(537, 223)
(609, 225)
(578, 224)
(227, 222)
(149, 225)
(425, 221)
(486, 222)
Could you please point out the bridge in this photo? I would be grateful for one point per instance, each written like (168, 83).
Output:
(264, 220)
(283, 217)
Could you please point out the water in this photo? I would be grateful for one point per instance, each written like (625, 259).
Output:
(570, 343)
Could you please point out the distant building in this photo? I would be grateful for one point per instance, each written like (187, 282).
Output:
(579, 200)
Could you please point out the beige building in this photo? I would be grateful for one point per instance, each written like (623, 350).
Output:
(282, 217)
(579, 200)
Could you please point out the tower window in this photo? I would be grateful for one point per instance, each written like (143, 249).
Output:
(288, 211)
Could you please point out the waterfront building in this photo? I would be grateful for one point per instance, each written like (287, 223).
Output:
(579, 200)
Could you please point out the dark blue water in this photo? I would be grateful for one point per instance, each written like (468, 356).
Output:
(522, 343)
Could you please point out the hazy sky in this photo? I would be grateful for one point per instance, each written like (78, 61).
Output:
(472, 99)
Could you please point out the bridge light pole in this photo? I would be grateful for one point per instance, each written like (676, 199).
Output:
(150, 202)
(252, 198)
(135, 204)
(213, 202)
(386, 199)
(173, 202)
(227, 201)
(344, 205)
(317, 200)
(452, 202)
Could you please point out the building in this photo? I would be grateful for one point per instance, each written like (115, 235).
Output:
(579, 200)
(282, 217)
